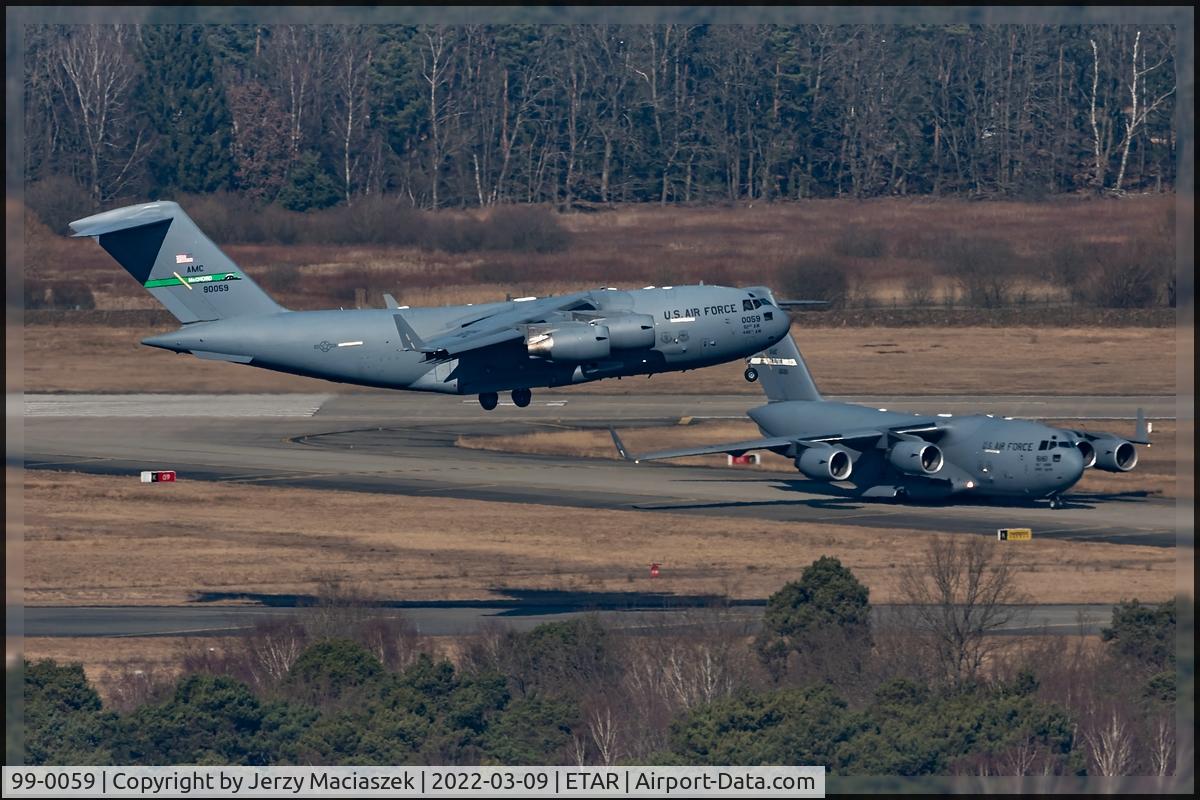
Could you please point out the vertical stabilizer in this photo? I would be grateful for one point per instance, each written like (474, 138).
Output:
(160, 246)
(783, 373)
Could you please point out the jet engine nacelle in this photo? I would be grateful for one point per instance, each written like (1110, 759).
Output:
(630, 331)
(1114, 455)
(574, 342)
(916, 458)
(827, 463)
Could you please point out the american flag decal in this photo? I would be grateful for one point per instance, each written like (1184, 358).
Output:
(183, 258)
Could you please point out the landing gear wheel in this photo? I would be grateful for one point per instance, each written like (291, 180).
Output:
(751, 374)
(521, 397)
(488, 400)
(1056, 502)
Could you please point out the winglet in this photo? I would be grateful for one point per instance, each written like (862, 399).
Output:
(621, 451)
(408, 337)
(389, 301)
(1141, 434)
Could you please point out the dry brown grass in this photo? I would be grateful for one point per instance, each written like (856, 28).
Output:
(633, 246)
(844, 361)
(109, 660)
(111, 540)
(1155, 472)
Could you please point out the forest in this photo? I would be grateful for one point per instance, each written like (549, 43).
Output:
(931, 690)
(312, 116)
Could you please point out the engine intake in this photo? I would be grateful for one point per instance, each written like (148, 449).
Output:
(1115, 455)
(827, 463)
(916, 458)
(1088, 452)
(574, 342)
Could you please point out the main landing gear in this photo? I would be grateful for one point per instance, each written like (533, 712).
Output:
(751, 374)
(520, 397)
(1056, 502)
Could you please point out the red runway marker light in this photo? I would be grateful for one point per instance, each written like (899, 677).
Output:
(654, 570)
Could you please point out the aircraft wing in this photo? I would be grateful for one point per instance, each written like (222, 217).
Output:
(490, 328)
(783, 445)
(1141, 433)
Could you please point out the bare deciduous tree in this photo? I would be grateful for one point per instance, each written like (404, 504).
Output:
(1162, 745)
(1140, 107)
(95, 75)
(435, 70)
(604, 726)
(959, 594)
(1110, 744)
(350, 101)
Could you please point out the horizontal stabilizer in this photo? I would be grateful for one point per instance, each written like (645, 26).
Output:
(801, 304)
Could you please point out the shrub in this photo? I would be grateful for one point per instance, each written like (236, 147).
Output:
(984, 268)
(1136, 275)
(57, 200)
(918, 290)
(35, 294)
(1069, 266)
(452, 234)
(856, 242)
(75, 296)
(815, 278)
(526, 229)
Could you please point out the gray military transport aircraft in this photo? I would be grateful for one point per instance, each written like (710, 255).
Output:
(887, 454)
(473, 349)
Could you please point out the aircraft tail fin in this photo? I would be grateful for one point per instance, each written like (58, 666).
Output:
(1141, 434)
(160, 246)
(784, 374)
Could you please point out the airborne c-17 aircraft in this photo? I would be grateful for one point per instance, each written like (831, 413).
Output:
(481, 349)
(895, 455)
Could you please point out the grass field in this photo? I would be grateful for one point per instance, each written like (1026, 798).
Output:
(1154, 474)
(80, 531)
(971, 360)
(632, 246)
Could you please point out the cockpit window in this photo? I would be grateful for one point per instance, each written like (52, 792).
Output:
(757, 303)
(747, 305)
(1065, 444)
(1042, 444)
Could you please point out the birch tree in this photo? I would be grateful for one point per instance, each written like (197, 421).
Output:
(95, 76)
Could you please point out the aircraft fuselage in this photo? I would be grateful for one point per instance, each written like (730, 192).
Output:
(693, 327)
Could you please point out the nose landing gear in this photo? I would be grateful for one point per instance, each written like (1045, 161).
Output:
(751, 374)
(521, 397)
(488, 400)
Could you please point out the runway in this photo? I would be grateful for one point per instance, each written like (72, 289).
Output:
(404, 444)
(459, 619)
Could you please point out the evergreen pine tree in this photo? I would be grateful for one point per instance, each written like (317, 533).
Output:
(185, 103)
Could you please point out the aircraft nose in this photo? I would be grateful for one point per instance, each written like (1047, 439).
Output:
(1072, 464)
(781, 323)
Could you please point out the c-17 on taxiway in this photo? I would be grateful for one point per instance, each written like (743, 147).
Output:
(887, 454)
(484, 349)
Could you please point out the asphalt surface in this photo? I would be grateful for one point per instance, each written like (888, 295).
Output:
(456, 619)
(404, 444)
